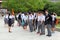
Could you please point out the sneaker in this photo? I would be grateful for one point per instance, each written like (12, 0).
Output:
(48, 35)
(38, 32)
(42, 33)
(9, 31)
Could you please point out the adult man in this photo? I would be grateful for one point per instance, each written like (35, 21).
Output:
(48, 22)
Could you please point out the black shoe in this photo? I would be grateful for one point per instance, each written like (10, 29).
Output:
(9, 31)
(42, 33)
(48, 35)
(31, 31)
(34, 29)
(38, 32)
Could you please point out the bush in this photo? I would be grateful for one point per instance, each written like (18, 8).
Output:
(53, 7)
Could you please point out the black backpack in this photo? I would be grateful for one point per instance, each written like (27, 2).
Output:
(19, 17)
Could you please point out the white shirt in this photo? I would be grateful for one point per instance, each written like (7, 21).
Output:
(6, 16)
(10, 16)
(41, 18)
(35, 16)
(25, 18)
(22, 16)
(53, 17)
(31, 17)
(13, 16)
(17, 15)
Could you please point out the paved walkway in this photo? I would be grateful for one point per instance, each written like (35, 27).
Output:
(19, 34)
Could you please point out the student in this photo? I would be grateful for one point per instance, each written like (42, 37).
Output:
(48, 22)
(22, 16)
(31, 17)
(22, 21)
(43, 24)
(53, 22)
(9, 22)
(25, 21)
(41, 19)
(35, 21)
(19, 19)
(6, 19)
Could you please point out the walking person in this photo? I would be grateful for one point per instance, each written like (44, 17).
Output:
(25, 21)
(31, 18)
(19, 19)
(35, 21)
(6, 18)
(48, 22)
(41, 20)
(53, 22)
(9, 22)
(22, 21)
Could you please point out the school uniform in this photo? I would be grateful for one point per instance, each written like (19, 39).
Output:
(31, 17)
(6, 19)
(22, 16)
(22, 19)
(35, 21)
(40, 24)
(19, 19)
(9, 21)
(25, 20)
(43, 24)
(53, 21)
(48, 22)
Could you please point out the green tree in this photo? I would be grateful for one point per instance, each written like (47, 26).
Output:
(24, 5)
(53, 7)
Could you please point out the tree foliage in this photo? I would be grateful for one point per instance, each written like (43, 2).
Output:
(53, 7)
(24, 5)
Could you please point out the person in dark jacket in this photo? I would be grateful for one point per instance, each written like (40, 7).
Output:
(48, 22)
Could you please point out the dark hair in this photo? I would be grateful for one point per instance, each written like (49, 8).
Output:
(9, 14)
(40, 12)
(7, 9)
(30, 13)
(53, 13)
(46, 10)
(25, 13)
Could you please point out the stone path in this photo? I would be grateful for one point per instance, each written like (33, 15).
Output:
(19, 34)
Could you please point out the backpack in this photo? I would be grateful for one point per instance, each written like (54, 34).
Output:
(19, 17)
